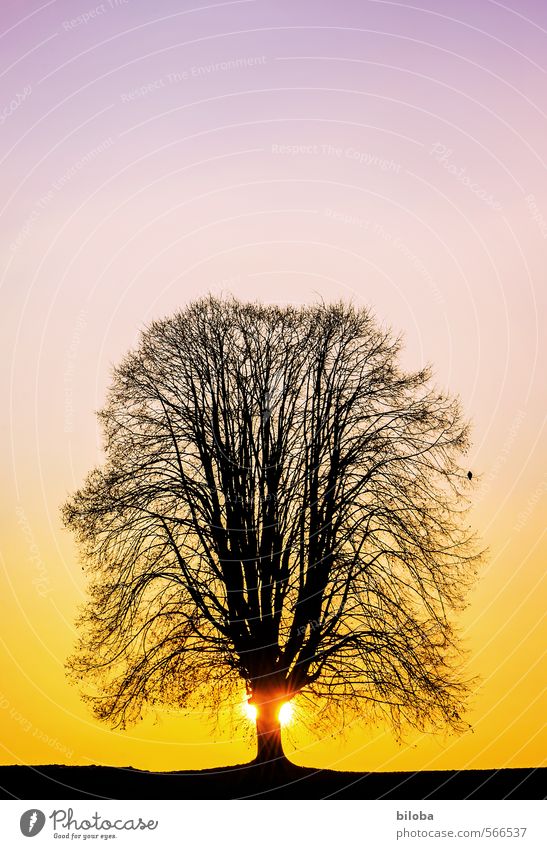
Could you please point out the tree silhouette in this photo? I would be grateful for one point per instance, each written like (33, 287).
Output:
(280, 505)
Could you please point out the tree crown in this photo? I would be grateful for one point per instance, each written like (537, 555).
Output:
(280, 504)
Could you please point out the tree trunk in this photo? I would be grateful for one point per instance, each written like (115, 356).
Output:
(268, 730)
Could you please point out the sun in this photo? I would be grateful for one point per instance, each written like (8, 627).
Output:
(285, 713)
(250, 711)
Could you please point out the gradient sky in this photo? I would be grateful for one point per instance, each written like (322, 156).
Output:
(385, 152)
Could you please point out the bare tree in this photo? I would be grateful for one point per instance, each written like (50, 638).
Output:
(280, 505)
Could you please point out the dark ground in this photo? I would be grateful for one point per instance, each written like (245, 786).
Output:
(252, 781)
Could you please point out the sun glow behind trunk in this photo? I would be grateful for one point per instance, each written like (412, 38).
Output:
(250, 711)
(285, 713)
